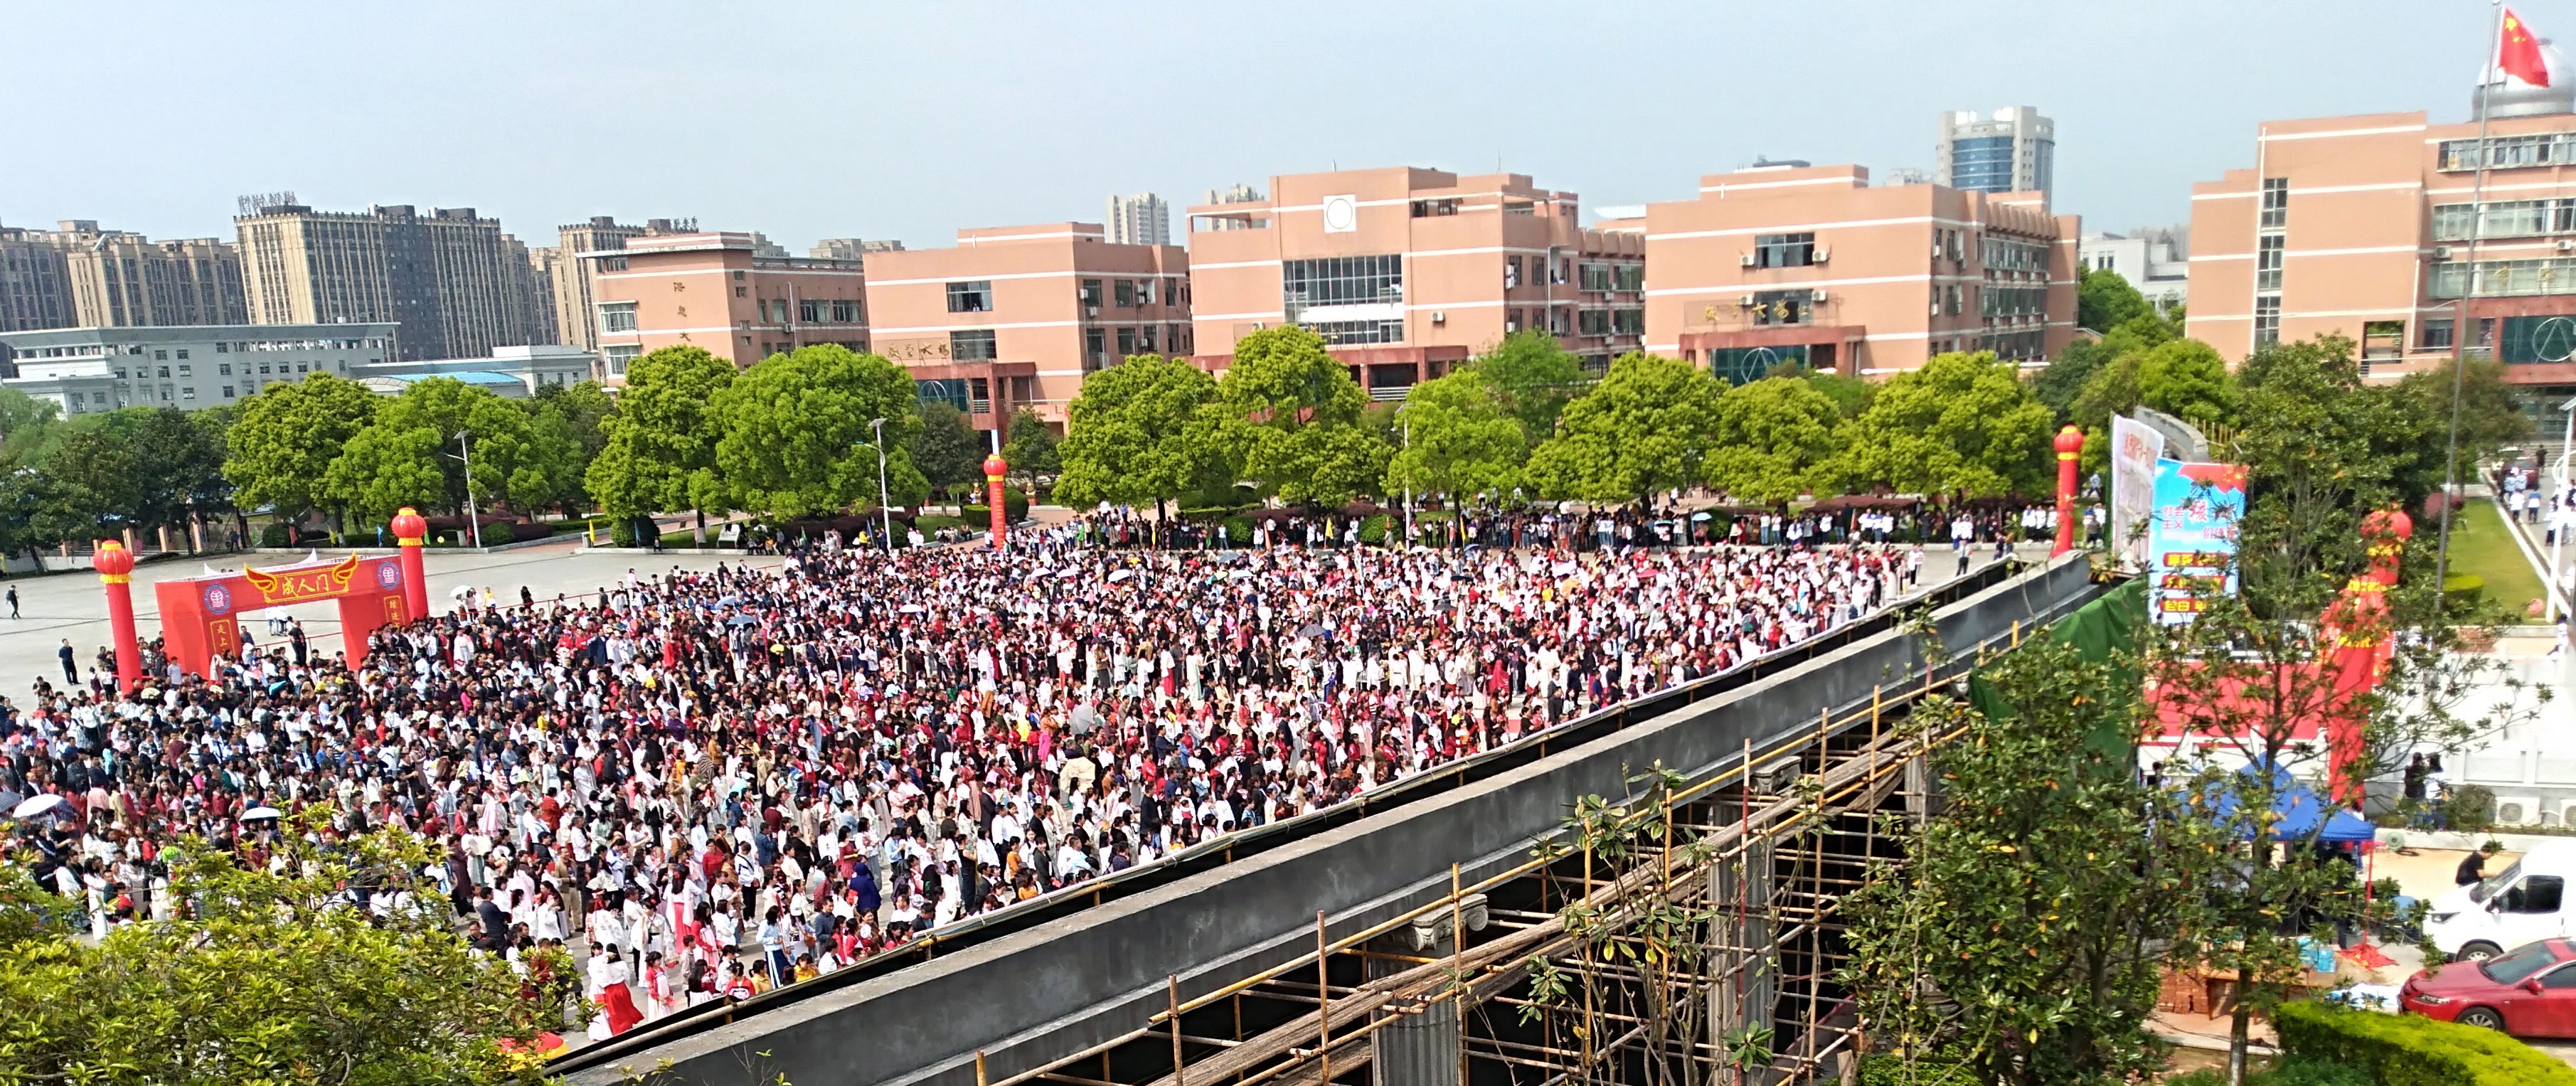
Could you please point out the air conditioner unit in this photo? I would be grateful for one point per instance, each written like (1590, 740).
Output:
(2517, 810)
(2441, 252)
(1091, 311)
(2567, 813)
(1745, 302)
(1936, 309)
(1438, 317)
(1818, 297)
(1748, 260)
(1821, 254)
(2566, 246)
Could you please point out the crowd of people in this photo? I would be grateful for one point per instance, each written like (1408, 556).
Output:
(720, 781)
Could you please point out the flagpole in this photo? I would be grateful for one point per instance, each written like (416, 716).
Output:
(2468, 289)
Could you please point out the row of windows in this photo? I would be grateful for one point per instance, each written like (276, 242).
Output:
(2509, 152)
(2015, 301)
(1784, 250)
(225, 369)
(1343, 280)
(1630, 277)
(2505, 219)
(2504, 278)
(1611, 322)
(1131, 293)
(2009, 254)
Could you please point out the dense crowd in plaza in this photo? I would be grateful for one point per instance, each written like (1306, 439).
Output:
(731, 779)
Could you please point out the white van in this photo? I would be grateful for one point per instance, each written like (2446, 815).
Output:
(2521, 903)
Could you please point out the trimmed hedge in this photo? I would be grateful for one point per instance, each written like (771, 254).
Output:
(2412, 1050)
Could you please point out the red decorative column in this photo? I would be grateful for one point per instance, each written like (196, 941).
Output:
(2362, 643)
(411, 531)
(2070, 441)
(994, 468)
(115, 566)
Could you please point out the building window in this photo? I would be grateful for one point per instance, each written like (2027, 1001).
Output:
(228, 392)
(741, 292)
(2267, 320)
(618, 355)
(2276, 202)
(224, 370)
(1784, 250)
(979, 396)
(1627, 322)
(617, 316)
(1340, 281)
(2269, 250)
(1424, 209)
(219, 348)
(1511, 272)
(1091, 293)
(737, 275)
(1095, 348)
(165, 371)
(972, 346)
(183, 353)
(160, 356)
(1595, 277)
(1593, 322)
(1351, 333)
(810, 311)
(188, 392)
(971, 297)
(2436, 334)
(1146, 337)
(1126, 342)
(845, 311)
(947, 390)
(183, 370)
(1125, 292)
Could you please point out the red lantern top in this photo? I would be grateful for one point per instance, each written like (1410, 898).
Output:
(2387, 522)
(995, 467)
(114, 563)
(2070, 441)
(409, 528)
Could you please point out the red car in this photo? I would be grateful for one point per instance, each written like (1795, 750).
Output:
(2529, 992)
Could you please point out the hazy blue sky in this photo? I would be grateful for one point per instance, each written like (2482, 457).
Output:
(807, 120)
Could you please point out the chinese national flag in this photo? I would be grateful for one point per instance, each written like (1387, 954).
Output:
(2518, 53)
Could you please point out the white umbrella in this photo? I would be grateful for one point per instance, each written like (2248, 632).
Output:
(40, 806)
(909, 609)
(1120, 575)
(257, 813)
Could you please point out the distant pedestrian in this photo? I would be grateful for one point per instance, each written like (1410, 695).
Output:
(13, 601)
(71, 662)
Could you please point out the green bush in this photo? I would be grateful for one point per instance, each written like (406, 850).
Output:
(1373, 530)
(277, 533)
(1238, 531)
(2411, 1050)
(2463, 588)
(2470, 808)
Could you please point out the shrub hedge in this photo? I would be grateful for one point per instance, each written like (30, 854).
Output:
(2412, 1050)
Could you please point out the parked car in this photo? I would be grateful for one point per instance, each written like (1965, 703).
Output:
(2529, 991)
(2524, 902)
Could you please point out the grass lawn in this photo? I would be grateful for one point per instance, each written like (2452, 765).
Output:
(2480, 546)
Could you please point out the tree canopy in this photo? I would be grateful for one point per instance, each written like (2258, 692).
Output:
(1460, 438)
(1532, 378)
(284, 437)
(1297, 412)
(2105, 300)
(1775, 440)
(792, 424)
(1144, 430)
(1962, 424)
(1649, 426)
(659, 450)
(946, 449)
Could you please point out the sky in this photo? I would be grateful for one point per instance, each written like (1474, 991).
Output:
(911, 120)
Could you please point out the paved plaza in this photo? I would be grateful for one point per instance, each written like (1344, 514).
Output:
(73, 604)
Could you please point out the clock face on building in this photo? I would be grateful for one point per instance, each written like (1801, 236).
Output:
(1341, 214)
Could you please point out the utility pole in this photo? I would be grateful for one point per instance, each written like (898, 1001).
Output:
(471, 517)
(885, 515)
(2461, 329)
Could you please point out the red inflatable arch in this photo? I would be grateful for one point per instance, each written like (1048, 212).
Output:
(200, 616)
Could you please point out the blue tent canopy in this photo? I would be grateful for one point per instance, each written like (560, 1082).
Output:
(2300, 809)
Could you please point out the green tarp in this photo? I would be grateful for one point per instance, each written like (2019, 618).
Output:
(2098, 629)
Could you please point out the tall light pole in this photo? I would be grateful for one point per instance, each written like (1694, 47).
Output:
(885, 515)
(1408, 492)
(470, 516)
(2561, 519)
(2460, 327)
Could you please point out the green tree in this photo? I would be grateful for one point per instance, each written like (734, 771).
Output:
(947, 450)
(1647, 427)
(411, 453)
(1033, 449)
(1533, 378)
(1850, 395)
(792, 426)
(658, 451)
(1774, 437)
(25, 424)
(271, 978)
(2187, 379)
(2035, 905)
(2104, 299)
(1297, 414)
(2490, 415)
(1145, 430)
(1963, 424)
(586, 406)
(285, 437)
(1462, 440)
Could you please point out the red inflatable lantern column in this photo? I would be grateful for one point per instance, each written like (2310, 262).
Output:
(115, 566)
(2362, 642)
(994, 468)
(2070, 442)
(411, 532)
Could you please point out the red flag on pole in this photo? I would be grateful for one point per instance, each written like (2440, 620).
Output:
(2518, 53)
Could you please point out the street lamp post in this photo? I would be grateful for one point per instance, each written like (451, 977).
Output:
(885, 514)
(471, 517)
(2562, 520)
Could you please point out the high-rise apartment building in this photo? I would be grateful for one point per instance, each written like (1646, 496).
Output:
(2013, 151)
(1407, 272)
(570, 284)
(851, 248)
(456, 284)
(1142, 219)
(736, 295)
(1017, 315)
(1814, 265)
(1237, 194)
(77, 275)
